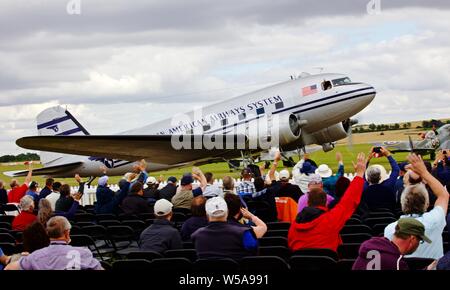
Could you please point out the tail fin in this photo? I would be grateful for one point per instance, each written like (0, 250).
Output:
(56, 121)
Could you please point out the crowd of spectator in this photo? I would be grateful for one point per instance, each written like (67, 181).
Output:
(228, 221)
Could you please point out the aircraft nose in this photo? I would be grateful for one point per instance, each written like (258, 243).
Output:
(368, 92)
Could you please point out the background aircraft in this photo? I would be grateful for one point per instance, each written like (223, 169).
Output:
(432, 142)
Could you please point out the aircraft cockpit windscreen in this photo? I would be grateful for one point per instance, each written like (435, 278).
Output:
(341, 81)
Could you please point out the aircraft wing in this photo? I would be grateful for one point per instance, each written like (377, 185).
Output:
(52, 170)
(157, 148)
(405, 146)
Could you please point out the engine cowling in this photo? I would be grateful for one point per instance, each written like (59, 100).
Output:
(274, 131)
(289, 129)
(327, 135)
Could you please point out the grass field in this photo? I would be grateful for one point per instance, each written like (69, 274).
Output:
(221, 169)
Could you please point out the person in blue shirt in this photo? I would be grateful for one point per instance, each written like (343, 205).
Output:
(328, 179)
(379, 188)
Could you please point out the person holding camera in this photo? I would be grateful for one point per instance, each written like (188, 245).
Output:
(379, 189)
(441, 168)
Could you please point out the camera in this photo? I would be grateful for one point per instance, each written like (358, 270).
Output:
(376, 149)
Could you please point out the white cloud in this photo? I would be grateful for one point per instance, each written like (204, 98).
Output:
(116, 74)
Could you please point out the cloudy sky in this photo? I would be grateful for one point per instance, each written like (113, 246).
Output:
(123, 64)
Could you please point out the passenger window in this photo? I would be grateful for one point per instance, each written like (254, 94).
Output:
(326, 85)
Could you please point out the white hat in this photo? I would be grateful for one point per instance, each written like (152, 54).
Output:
(324, 171)
(162, 207)
(284, 174)
(151, 180)
(102, 181)
(216, 207)
(314, 179)
(379, 168)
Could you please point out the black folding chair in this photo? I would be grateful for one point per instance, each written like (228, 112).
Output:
(84, 217)
(278, 226)
(137, 225)
(282, 252)
(345, 264)
(317, 252)
(105, 217)
(4, 225)
(99, 234)
(371, 222)
(188, 245)
(8, 248)
(349, 251)
(353, 221)
(85, 241)
(189, 254)
(109, 223)
(355, 238)
(146, 216)
(122, 239)
(172, 264)
(264, 264)
(132, 265)
(316, 263)
(7, 238)
(276, 233)
(418, 263)
(216, 265)
(273, 241)
(144, 255)
(378, 229)
(356, 229)
(179, 217)
(6, 219)
(127, 217)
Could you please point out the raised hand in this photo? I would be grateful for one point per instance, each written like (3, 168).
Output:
(416, 164)
(360, 166)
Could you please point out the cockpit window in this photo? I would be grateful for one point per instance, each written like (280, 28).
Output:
(326, 85)
(341, 81)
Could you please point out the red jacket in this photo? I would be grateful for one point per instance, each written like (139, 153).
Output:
(23, 220)
(323, 232)
(15, 194)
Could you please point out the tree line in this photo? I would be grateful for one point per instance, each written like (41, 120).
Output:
(19, 158)
(386, 127)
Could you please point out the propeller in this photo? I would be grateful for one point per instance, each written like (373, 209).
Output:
(411, 144)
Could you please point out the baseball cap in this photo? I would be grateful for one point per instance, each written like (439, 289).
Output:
(172, 179)
(402, 166)
(314, 179)
(307, 168)
(162, 207)
(216, 207)
(187, 179)
(411, 226)
(284, 174)
(102, 181)
(150, 180)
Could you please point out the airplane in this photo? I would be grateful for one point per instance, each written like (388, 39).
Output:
(308, 109)
(432, 142)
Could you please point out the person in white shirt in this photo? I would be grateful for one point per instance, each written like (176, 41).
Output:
(55, 195)
(415, 202)
(211, 190)
(302, 171)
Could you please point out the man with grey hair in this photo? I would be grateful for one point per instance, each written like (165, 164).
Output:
(379, 190)
(59, 255)
(415, 201)
(26, 216)
(220, 239)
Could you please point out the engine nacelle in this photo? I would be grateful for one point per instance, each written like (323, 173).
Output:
(289, 129)
(327, 135)
(274, 131)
